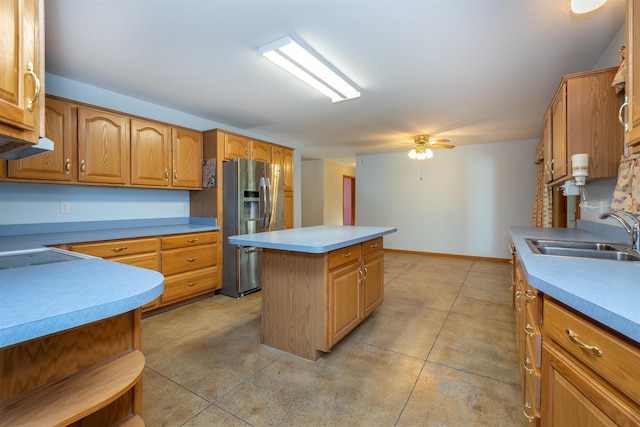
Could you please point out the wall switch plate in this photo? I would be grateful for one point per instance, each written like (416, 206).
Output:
(180, 207)
(65, 207)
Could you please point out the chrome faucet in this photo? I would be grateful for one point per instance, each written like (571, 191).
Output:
(634, 231)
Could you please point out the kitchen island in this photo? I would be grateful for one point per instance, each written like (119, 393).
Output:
(318, 284)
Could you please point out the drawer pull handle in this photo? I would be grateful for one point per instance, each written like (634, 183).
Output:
(119, 249)
(524, 411)
(347, 255)
(374, 245)
(530, 295)
(574, 339)
(528, 329)
(526, 365)
(518, 295)
(192, 240)
(195, 258)
(32, 101)
(195, 282)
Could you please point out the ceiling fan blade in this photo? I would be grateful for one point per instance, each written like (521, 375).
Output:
(438, 140)
(436, 145)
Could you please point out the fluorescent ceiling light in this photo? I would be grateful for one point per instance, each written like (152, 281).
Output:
(309, 68)
(584, 6)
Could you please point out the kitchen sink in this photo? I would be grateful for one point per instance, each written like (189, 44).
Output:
(40, 256)
(570, 248)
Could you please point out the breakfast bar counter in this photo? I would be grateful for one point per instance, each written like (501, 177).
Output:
(318, 284)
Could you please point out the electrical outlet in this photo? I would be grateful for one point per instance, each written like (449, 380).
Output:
(180, 207)
(65, 207)
(504, 235)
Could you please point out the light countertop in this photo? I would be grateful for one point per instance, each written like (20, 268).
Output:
(317, 239)
(43, 299)
(605, 290)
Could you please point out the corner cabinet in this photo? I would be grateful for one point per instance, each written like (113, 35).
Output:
(583, 118)
(312, 301)
(22, 71)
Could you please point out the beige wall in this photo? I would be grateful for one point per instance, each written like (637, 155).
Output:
(322, 191)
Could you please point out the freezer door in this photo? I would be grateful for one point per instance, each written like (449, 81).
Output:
(249, 268)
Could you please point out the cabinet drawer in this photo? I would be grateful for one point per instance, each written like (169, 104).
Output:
(112, 248)
(532, 377)
(371, 246)
(185, 285)
(190, 239)
(150, 261)
(533, 335)
(344, 255)
(619, 361)
(185, 259)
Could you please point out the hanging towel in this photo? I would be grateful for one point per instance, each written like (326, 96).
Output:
(626, 196)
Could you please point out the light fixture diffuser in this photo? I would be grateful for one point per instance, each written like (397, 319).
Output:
(584, 6)
(291, 56)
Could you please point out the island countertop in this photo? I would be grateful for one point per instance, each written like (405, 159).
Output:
(317, 239)
(604, 290)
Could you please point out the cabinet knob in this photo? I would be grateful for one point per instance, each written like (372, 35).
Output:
(67, 166)
(175, 175)
(32, 101)
(166, 174)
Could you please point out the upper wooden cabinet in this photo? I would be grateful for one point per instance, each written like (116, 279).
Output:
(21, 67)
(187, 158)
(150, 153)
(103, 147)
(632, 84)
(260, 151)
(99, 147)
(235, 146)
(283, 157)
(584, 119)
(58, 165)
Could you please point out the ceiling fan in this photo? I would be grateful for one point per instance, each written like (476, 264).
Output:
(423, 144)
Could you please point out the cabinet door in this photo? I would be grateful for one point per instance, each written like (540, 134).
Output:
(572, 398)
(548, 153)
(288, 168)
(344, 300)
(235, 147)
(260, 151)
(288, 209)
(103, 147)
(632, 84)
(559, 135)
(150, 153)
(373, 283)
(21, 38)
(58, 164)
(187, 158)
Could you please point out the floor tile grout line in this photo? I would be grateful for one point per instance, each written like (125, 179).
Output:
(426, 360)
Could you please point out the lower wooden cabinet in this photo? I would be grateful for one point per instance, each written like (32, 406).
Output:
(188, 261)
(311, 301)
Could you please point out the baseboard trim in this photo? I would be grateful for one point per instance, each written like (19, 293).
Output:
(471, 257)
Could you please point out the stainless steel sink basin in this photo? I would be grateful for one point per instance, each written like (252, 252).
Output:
(595, 250)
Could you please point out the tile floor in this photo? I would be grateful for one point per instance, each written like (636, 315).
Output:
(440, 351)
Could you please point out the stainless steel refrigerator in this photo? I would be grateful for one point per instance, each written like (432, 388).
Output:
(253, 202)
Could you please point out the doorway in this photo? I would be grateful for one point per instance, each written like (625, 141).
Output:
(348, 200)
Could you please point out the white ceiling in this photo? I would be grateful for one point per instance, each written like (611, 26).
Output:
(470, 71)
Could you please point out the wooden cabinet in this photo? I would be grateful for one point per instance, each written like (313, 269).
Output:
(190, 266)
(260, 151)
(283, 157)
(22, 73)
(188, 261)
(187, 158)
(528, 310)
(584, 119)
(94, 146)
(86, 376)
(632, 84)
(59, 165)
(235, 146)
(288, 209)
(546, 144)
(140, 252)
(589, 373)
(150, 153)
(311, 301)
(103, 147)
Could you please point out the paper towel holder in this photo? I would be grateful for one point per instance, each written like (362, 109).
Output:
(580, 168)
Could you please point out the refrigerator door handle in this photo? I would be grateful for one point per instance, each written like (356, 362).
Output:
(251, 249)
(262, 202)
(268, 203)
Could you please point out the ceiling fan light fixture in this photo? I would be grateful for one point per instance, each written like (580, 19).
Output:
(585, 6)
(310, 68)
